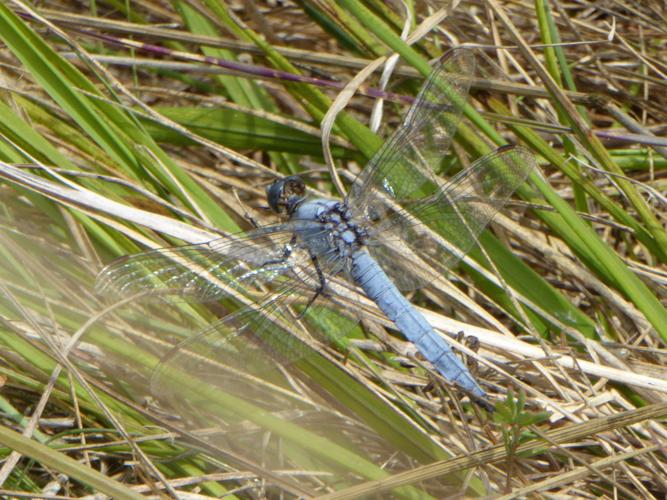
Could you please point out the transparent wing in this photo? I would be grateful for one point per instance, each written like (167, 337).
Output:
(442, 228)
(235, 385)
(237, 342)
(236, 268)
(205, 272)
(403, 169)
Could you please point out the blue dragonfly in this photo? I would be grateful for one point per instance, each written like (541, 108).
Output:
(399, 225)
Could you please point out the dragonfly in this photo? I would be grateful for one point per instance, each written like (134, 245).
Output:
(398, 227)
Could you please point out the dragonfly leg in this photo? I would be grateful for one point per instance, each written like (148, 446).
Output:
(472, 343)
(287, 251)
(320, 288)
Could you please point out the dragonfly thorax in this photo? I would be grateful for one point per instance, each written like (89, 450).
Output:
(336, 230)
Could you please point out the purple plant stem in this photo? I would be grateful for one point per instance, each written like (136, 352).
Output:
(249, 69)
(649, 140)
(265, 72)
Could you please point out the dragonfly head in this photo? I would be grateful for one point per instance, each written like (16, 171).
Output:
(284, 195)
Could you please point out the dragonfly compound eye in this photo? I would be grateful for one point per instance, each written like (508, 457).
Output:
(284, 193)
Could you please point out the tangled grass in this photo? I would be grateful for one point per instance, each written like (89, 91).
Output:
(134, 126)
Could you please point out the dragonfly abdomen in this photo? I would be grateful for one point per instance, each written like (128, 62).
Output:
(378, 287)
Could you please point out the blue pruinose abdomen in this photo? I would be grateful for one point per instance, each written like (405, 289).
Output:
(379, 288)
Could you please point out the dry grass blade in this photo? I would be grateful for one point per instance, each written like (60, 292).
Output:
(555, 437)
(147, 125)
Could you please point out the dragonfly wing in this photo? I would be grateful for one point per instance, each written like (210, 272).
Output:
(236, 375)
(234, 384)
(403, 169)
(233, 346)
(204, 272)
(442, 228)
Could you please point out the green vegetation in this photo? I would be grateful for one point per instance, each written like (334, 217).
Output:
(110, 147)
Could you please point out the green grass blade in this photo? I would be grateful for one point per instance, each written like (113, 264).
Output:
(97, 481)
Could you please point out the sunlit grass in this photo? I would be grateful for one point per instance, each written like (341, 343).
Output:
(566, 294)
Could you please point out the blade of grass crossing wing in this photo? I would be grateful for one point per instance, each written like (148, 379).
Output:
(222, 401)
